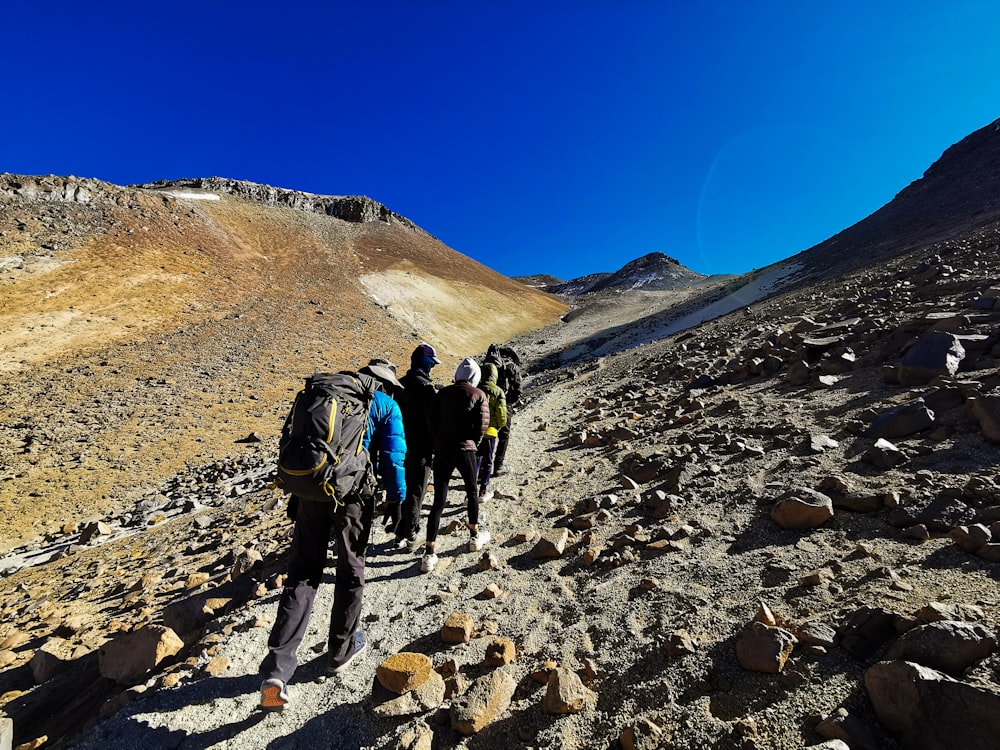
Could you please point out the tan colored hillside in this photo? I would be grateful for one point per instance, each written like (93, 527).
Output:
(142, 330)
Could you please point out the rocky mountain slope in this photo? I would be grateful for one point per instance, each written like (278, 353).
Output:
(771, 528)
(958, 193)
(145, 329)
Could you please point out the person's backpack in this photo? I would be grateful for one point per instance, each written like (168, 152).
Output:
(321, 455)
(511, 374)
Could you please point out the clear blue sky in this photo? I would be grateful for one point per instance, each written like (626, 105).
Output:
(562, 137)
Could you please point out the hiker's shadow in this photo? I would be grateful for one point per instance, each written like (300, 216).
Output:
(219, 735)
(137, 732)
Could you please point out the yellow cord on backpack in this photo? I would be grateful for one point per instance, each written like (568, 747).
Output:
(330, 491)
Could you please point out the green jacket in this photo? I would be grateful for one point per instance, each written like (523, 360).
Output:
(496, 397)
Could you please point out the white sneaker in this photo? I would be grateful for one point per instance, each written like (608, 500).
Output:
(479, 541)
(428, 563)
(487, 495)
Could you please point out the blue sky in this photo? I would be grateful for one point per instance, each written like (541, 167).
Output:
(536, 137)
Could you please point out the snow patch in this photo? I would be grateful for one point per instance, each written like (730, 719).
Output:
(192, 196)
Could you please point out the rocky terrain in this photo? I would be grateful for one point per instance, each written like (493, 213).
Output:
(776, 528)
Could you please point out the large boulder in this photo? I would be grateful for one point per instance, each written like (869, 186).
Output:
(946, 646)
(130, 657)
(801, 508)
(929, 710)
(934, 354)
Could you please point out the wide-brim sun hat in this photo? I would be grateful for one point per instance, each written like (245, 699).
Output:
(381, 372)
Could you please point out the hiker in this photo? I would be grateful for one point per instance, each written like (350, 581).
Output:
(498, 420)
(508, 366)
(416, 403)
(460, 417)
(351, 520)
(382, 370)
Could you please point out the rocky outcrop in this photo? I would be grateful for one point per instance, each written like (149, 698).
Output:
(357, 209)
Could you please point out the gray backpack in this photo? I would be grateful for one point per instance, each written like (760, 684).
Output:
(321, 455)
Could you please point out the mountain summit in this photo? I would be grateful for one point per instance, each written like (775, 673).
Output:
(652, 272)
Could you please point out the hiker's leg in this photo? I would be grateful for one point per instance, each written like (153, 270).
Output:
(503, 436)
(444, 467)
(485, 463)
(305, 570)
(353, 526)
(467, 469)
(418, 474)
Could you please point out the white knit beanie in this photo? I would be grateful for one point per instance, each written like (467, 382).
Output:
(468, 370)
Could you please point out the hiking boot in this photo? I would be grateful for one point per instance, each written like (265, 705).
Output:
(479, 541)
(429, 562)
(273, 695)
(360, 644)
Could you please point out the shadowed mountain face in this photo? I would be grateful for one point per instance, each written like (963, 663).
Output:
(142, 328)
(957, 194)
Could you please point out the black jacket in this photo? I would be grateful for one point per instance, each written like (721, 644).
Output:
(460, 418)
(416, 402)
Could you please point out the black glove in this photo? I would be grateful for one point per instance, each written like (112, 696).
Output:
(393, 512)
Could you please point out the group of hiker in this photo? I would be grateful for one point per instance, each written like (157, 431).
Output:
(351, 438)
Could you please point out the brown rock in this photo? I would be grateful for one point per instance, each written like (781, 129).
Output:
(457, 628)
(551, 545)
(404, 671)
(986, 410)
(129, 657)
(419, 737)
(929, 710)
(426, 696)
(218, 666)
(500, 652)
(15, 639)
(566, 693)
(946, 645)
(50, 659)
(195, 580)
(487, 698)
(761, 648)
(802, 508)
(644, 735)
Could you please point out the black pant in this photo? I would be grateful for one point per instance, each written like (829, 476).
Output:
(418, 476)
(445, 463)
(314, 521)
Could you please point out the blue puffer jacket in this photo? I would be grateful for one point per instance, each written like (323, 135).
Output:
(386, 444)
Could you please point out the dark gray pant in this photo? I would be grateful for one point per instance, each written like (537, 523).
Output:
(314, 521)
(418, 476)
(503, 437)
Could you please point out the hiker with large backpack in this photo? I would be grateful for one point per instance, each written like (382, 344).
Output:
(416, 403)
(338, 426)
(508, 366)
(460, 417)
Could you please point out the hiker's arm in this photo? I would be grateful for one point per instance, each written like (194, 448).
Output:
(392, 453)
